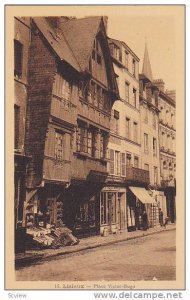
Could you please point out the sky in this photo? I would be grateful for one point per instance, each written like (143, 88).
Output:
(157, 25)
(159, 34)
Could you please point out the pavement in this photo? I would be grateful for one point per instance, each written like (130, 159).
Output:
(32, 256)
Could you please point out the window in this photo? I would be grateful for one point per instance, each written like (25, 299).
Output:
(117, 53)
(62, 87)
(134, 98)
(135, 132)
(90, 143)
(99, 59)
(136, 162)
(127, 128)
(18, 56)
(128, 159)
(108, 208)
(145, 143)
(117, 163)
(127, 91)
(154, 120)
(59, 146)
(100, 97)
(103, 216)
(146, 167)
(97, 96)
(155, 175)
(86, 214)
(154, 147)
(134, 67)
(123, 165)
(65, 89)
(116, 121)
(103, 145)
(82, 139)
(126, 61)
(111, 198)
(17, 125)
(86, 140)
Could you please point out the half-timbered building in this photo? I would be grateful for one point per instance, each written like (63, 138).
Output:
(72, 88)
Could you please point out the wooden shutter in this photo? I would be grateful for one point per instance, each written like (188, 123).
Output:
(123, 165)
(111, 161)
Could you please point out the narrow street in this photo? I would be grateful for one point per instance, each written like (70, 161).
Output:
(143, 258)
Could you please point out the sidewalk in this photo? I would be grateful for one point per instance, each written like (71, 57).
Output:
(33, 256)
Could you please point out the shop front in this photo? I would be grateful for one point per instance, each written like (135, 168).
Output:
(112, 210)
(139, 202)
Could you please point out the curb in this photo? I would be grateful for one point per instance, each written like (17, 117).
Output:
(43, 257)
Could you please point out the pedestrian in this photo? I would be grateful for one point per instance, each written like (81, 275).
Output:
(166, 222)
(161, 217)
(144, 220)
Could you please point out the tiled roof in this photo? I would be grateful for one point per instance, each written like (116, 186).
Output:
(80, 35)
(57, 42)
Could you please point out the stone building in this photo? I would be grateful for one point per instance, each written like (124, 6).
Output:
(150, 154)
(125, 195)
(167, 137)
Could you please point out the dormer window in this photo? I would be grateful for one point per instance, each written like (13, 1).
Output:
(116, 52)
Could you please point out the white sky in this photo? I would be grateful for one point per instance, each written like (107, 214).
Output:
(157, 24)
(159, 33)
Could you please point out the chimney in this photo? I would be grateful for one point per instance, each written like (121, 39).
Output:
(105, 20)
(160, 84)
(171, 94)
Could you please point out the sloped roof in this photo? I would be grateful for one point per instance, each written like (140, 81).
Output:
(147, 70)
(80, 35)
(57, 42)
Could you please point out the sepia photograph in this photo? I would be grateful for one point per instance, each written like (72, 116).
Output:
(95, 103)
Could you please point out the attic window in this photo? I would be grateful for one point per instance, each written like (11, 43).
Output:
(93, 55)
(99, 59)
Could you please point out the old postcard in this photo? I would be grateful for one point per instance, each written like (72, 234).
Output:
(95, 147)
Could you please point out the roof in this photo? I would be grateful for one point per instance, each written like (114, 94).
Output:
(147, 70)
(80, 35)
(57, 42)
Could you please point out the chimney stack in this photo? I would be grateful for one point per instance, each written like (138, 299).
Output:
(160, 84)
(171, 94)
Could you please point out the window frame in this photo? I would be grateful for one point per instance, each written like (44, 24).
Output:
(18, 58)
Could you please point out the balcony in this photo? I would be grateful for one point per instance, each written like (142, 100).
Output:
(136, 175)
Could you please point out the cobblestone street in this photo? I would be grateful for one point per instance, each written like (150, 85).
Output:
(146, 258)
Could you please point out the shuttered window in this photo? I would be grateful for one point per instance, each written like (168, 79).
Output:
(123, 165)
(17, 123)
(111, 161)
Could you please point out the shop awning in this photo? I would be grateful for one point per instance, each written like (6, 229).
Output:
(142, 194)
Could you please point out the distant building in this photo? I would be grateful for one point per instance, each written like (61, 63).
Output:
(167, 137)
(150, 154)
